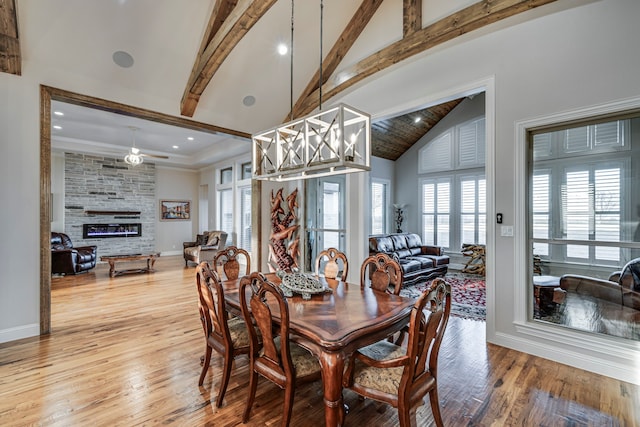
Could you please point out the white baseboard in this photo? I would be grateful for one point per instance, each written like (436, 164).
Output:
(19, 332)
(170, 253)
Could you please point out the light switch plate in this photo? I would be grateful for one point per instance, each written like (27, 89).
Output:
(506, 230)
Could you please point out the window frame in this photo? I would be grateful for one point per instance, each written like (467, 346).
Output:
(386, 205)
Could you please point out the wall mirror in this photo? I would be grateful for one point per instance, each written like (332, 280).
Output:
(584, 224)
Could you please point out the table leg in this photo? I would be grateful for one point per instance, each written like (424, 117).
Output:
(332, 367)
(112, 268)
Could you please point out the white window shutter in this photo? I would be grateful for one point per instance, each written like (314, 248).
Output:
(576, 140)
(436, 155)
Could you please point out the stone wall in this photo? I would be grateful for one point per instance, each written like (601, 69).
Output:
(95, 183)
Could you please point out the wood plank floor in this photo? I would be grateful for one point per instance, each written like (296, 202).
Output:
(125, 352)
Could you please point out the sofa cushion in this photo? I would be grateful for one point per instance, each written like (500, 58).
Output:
(414, 240)
(410, 265)
(403, 253)
(415, 251)
(381, 244)
(425, 262)
(399, 241)
(439, 259)
(213, 239)
(201, 239)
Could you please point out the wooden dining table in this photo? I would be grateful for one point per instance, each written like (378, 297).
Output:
(333, 325)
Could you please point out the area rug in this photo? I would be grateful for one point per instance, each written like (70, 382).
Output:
(468, 293)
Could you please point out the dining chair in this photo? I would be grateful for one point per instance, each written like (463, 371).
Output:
(383, 272)
(331, 267)
(402, 376)
(229, 261)
(277, 359)
(227, 336)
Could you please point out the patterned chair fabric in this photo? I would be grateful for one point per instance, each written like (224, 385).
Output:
(277, 359)
(402, 376)
(228, 337)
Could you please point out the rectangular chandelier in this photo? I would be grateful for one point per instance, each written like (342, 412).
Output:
(329, 142)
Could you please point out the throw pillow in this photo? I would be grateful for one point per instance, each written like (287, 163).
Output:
(213, 240)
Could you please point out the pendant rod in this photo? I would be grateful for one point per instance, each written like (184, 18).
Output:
(291, 70)
(320, 82)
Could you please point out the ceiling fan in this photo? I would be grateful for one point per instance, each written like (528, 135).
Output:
(135, 157)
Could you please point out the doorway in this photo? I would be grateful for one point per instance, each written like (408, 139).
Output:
(325, 216)
(47, 95)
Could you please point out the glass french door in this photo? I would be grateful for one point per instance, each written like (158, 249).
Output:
(325, 217)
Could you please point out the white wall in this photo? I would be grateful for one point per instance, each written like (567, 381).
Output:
(176, 184)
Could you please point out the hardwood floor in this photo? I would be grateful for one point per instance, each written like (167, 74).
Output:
(125, 351)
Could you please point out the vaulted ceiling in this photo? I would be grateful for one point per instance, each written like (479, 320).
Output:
(236, 81)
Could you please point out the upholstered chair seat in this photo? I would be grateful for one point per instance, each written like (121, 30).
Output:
(386, 380)
(204, 247)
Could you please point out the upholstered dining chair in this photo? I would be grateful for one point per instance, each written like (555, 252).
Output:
(402, 376)
(227, 336)
(383, 273)
(228, 259)
(278, 359)
(331, 267)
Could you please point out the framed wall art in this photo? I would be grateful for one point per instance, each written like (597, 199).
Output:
(175, 210)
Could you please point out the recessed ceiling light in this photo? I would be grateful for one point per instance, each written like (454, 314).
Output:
(58, 113)
(175, 147)
(57, 127)
(283, 49)
(249, 100)
(417, 120)
(122, 58)
(190, 138)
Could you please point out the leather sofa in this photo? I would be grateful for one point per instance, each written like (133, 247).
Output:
(65, 259)
(419, 262)
(204, 248)
(622, 287)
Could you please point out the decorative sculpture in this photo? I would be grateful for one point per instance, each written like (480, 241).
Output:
(399, 211)
(284, 243)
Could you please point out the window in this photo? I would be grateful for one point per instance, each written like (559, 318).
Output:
(578, 194)
(436, 211)
(245, 171)
(379, 205)
(453, 198)
(245, 218)
(225, 213)
(226, 176)
(473, 209)
(234, 204)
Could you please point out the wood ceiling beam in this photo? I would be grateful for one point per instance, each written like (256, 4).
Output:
(471, 18)
(220, 13)
(349, 35)
(10, 58)
(411, 17)
(233, 28)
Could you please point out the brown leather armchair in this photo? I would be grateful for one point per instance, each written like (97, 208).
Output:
(65, 259)
(622, 287)
(206, 245)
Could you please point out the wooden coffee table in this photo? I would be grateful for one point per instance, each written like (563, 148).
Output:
(111, 259)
